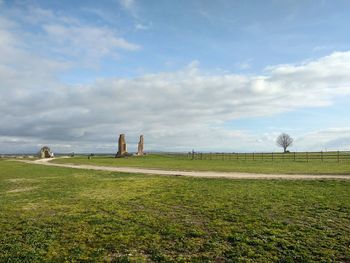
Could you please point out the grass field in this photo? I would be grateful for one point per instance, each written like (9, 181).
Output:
(329, 156)
(171, 162)
(57, 214)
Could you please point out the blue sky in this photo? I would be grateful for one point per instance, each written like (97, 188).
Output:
(223, 35)
(211, 75)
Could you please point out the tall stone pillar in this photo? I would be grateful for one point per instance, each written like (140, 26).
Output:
(121, 146)
(140, 146)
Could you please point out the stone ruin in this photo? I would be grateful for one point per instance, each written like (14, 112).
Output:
(122, 151)
(45, 152)
(140, 147)
(121, 147)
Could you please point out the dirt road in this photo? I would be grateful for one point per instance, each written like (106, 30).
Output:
(209, 174)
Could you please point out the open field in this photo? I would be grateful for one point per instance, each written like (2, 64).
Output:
(173, 163)
(58, 214)
(198, 174)
(330, 156)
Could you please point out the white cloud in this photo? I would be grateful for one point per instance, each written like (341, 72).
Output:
(140, 26)
(128, 4)
(327, 140)
(65, 36)
(177, 110)
(86, 41)
(244, 64)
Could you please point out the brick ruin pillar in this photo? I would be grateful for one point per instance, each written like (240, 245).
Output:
(122, 151)
(140, 146)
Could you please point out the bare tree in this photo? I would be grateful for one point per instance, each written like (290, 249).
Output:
(284, 141)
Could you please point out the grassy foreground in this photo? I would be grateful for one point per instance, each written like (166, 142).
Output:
(170, 162)
(56, 214)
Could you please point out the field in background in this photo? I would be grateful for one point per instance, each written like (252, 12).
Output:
(331, 156)
(60, 214)
(220, 163)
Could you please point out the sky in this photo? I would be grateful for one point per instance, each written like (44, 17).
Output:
(223, 75)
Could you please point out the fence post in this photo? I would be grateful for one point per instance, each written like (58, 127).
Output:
(294, 156)
(338, 156)
(201, 156)
(307, 156)
(192, 154)
(322, 156)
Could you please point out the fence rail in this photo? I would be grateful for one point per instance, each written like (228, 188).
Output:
(331, 156)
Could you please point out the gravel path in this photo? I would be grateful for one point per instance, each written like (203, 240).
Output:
(211, 174)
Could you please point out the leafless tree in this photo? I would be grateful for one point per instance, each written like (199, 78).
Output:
(284, 141)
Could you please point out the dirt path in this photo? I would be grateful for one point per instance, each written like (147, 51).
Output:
(211, 174)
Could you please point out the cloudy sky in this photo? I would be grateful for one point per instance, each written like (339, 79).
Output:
(206, 75)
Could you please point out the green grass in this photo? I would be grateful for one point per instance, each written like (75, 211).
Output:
(334, 156)
(174, 163)
(56, 214)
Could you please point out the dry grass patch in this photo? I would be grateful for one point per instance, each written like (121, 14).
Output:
(31, 206)
(20, 190)
(19, 180)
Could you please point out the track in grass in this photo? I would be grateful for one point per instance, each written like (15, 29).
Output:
(213, 174)
(166, 162)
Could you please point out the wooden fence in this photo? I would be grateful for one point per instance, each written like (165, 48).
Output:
(331, 156)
